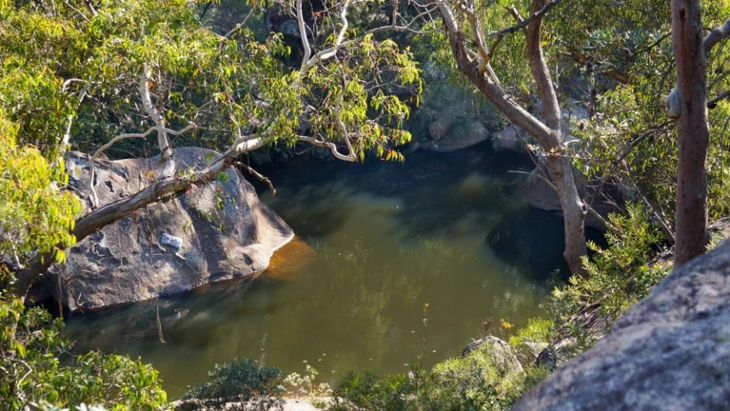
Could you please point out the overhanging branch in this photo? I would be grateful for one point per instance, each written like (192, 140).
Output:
(524, 23)
(716, 35)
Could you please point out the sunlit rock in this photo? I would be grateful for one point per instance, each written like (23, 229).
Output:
(670, 352)
(214, 232)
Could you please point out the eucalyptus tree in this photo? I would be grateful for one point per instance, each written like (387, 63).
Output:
(617, 58)
(632, 138)
(467, 35)
(687, 104)
(110, 72)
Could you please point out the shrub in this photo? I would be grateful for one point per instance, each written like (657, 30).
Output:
(33, 376)
(619, 275)
(366, 391)
(244, 382)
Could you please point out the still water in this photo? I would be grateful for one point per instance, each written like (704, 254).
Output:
(390, 266)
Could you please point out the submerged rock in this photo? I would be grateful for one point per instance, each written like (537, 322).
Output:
(670, 352)
(215, 232)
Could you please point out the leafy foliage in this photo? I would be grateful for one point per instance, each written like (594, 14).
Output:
(250, 385)
(229, 86)
(625, 68)
(35, 214)
(620, 275)
(480, 380)
(33, 375)
(366, 390)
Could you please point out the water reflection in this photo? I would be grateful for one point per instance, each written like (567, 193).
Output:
(378, 242)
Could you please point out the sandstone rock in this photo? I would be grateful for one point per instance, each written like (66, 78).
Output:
(670, 352)
(221, 231)
(501, 353)
(456, 135)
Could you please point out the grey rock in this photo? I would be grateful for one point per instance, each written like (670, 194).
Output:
(604, 197)
(220, 231)
(501, 353)
(451, 136)
(669, 352)
(572, 113)
(450, 117)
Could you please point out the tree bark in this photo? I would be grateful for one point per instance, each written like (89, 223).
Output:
(692, 130)
(561, 169)
(548, 134)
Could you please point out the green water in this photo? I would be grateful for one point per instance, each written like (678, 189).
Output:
(386, 241)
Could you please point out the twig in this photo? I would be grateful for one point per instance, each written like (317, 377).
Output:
(525, 22)
(260, 176)
(159, 326)
(713, 103)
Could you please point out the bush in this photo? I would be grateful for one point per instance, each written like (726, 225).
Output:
(32, 376)
(366, 391)
(618, 276)
(482, 380)
(250, 385)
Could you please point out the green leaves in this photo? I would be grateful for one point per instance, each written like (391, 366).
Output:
(30, 341)
(35, 215)
(257, 387)
(619, 275)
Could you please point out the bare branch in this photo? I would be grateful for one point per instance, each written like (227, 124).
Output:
(541, 73)
(476, 28)
(308, 63)
(163, 142)
(95, 199)
(90, 7)
(260, 176)
(328, 145)
(303, 35)
(524, 23)
(83, 16)
(716, 35)
(517, 16)
(713, 103)
(239, 25)
(325, 54)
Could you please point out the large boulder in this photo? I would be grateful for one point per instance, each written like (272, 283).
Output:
(670, 352)
(603, 196)
(450, 117)
(214, 232)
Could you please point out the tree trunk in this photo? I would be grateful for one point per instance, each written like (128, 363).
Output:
(548, 133)
(692, 130)
(574, 213)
